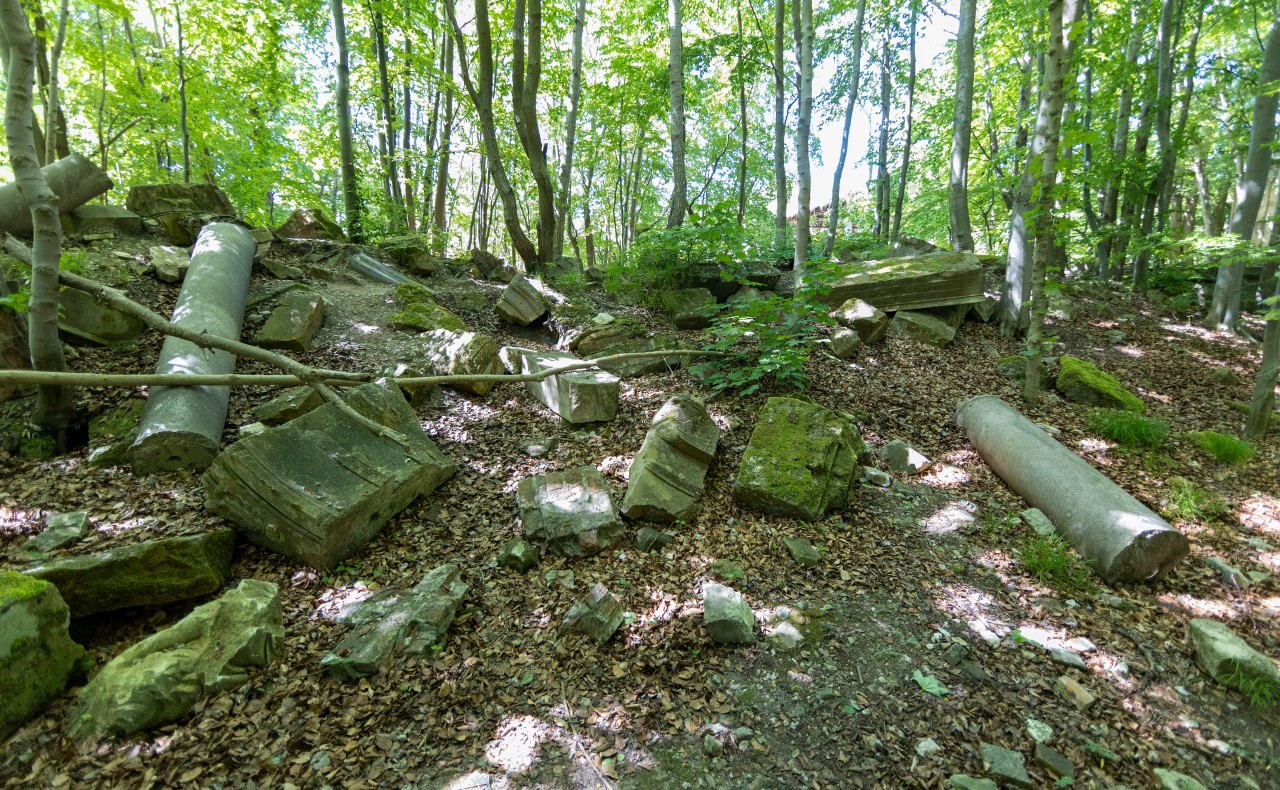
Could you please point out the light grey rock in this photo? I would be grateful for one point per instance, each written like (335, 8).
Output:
(160, 679)
(844, 343)
(62, 529)
(1007, 766)
(921, 327)
(966, 782)
(540, 446)
(319, 487)
(288, 406)
(94, 219)
(1231, 576)
(727, 615)
(150, 573)
(802, 551)
(170, 263)
(578, 396)
(37, 656)
(598, 615)
(690, 308)
(570, 512)
(519, 555)
(1172, 780)
(927, 748)
(650, 539)
(876, 477)
(448, 353)
(1039, 731)
(902, 457)
(397, 623)
(1067, 658)
(1228, 659)
(293, 324)
(1038, 521)
(870, 323)
(666, 477)
(1070, 689)
(522, 302)
(310, 223)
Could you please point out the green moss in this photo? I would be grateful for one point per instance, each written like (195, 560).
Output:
(898, 268)
(19, 586)
(1083, 382)
(1226, 449)
(37, 448)
(1128, 429)
(118, 423)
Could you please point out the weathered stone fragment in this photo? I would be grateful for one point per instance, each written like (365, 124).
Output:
(294, 323)
(984, 310)
(412, 253)
(598, 615)
(90, 219)
(318, 488)
(930, 280)
(1004, 764)
(650, 539)
(1053, 761)
(161, 678)
(802, 551)
(310, 223)
(1038, 521)
(62, 529)
(571, 512)
(369, 268)
(625, 336)
(111, 434)
(74, 179)
(488, 265)
(291, 405)
(522, 302)
(1082, 382)
(170, 263)
(1014, 368)
(667, 476)
(800, 460)
(724, 281)
(149, 200)
(87, 316)
(394, 622)
(420, 313)
(1230, 660)
(37, 655)
(727, 615)
(843, 343)
(519, 555)
(1070, 689)
(578, 396)
(150, 573)
(690, 308)
(922, 327)
(446, 353)
(870, 322)
(902, 457)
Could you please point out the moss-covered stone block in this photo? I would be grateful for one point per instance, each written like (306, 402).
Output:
(1083, 382)
(800, 460)
(111, 433)
(37, 655)
(420, 313)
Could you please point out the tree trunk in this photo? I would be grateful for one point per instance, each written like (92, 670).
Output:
(54, 124)
(571, 128)
(1119, 148)
(675, 76)
(525, 78)
(1155, 212)
(882, 160)
(1224, 310)
(440, 216)
(1264, 391)
(741, 69)
(387, 134)
(54, 408)
(406, 132)
(833, 218)
(182, 97)
(958, 196)
(350, 191)
(1134, 185)
(906, 143)
(588, 231)
(779, 126)
(804, 63)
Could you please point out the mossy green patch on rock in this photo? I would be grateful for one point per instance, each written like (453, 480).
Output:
(420, 313)
(37, 655)
(16, 586)
(1083, 382)
(37, 448)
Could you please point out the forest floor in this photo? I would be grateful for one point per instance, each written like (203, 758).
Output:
(914, 578)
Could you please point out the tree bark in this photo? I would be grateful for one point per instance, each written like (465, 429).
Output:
(779, 126)
(1119, 148)
(804, 62)
(440, 216)
(182, 98)
(675, 77)
(388, 132)
(1156, 209)
(1224, 310)
(958, 196)
(906, 143)
(350, 191)
(741, 69)
(833, 219)
(882, 160)
(571, 128)
(54, 123)
(1264, 391)
(526, 74)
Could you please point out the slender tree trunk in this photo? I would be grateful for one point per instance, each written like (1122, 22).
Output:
(54, 408)
(804, 62)
(406, 130)
(1264, 391)
(962, 129)
(350, 192)
(54, 130)
(742, 118)
(525, 78)
(882, 160)
(675, 75)
(1224, 310)
(588, 230)
(571, 127)
(855, 59)
(1134, 185)
(440, 216)
(1119, 148)
(182, 97)
(779, 126)
(906, 143)
(388, 132)
(1156, 209)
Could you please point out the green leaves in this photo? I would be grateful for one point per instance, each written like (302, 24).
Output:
(929, 684)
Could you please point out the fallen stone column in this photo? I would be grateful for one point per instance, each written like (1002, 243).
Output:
(1122, 540)
(74, 179)
(182, 426)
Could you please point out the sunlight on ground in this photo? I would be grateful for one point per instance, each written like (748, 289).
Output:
(1097, 450)
(956, 515)
(1260, 512)
(1130, 351)
(975, 608)
(515, 749)
(1199, 607)
(368, 329)
(337, 603)
(945, 476)
(478, 780)
(615, 466)
(19, 521)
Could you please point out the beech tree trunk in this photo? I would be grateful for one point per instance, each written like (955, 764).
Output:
(350, 191)
(804, 62)
(779, 126)
(958, 196)
(526, 74)
(675, 77)
(1119, 148)
(833, 219)
(906, 144)
(571, 128)
(1264, 391)
(440, 215)
(882, 160)
(54, 123)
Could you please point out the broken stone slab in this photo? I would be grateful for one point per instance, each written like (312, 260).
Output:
(85, 314)
(843, 343)
(570, 512)
(723, 281)
(75, 179)
(294, 322)
(625, 336)
(289, 406)
(1231, 576)
(1122, 540)
(922, 327)
(371, 268)
(519, 555)
(650, 539)
(966, 782)
(1038, 521)
(111, 434)
(310, 223)
(62, 530)
(1083, 382)
(984, 310)
(1005, 765)
(91, 219)
(522, 303)
(161, 678)
(1230, 660)
(420, 313)
(799, 462)
(37, 655)
(397, 623)
(181, 427)
(446, 353)
(488, 265)
(320, 487)
(170, 263)
(910, 283)
(410, 252)
(577, 396)
(150, 200)
(902, 457)
(1173, 780)
(727, 615)
(667, 476)
(868, 321)
(598, 615)
(802, 551)
(150, 573)
(1070, 689)
(690, 308)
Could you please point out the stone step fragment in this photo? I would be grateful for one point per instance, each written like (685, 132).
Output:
(62, 530)
(522, 302)
(910, 283)
(802, 551)
(291, 405)
(91, 219)
(447, 353)
(310, 223)
(868, 321)
(1230, 660)
(170, 263)
(727, 615)
(597, 616)
(150, 573)
(1005, 765)
(578, 396)
(294, 323)
(668, 474)
(318, 488)
(397, 623)
(518, 555)
(690, 308)
(570, 512)
(87, 316)
(160, 679)
(922, 327)
(625, 336)
(37, 655)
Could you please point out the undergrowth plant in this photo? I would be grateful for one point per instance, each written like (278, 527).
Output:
(1053, 562)
(1128, 429)
(1227, 449)
(1191, 503)
(1261, 692)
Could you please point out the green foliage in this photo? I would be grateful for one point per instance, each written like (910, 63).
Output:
(1262, 692)
(929, 684)
(16, 301)
(1191, 503)
(1128, 429)
(1227, 449)
(859, 246)
(73, 262)
(1051, 560)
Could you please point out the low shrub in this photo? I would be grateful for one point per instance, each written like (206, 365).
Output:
(1128, 429)
(1188, 502)
(1227, 449)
